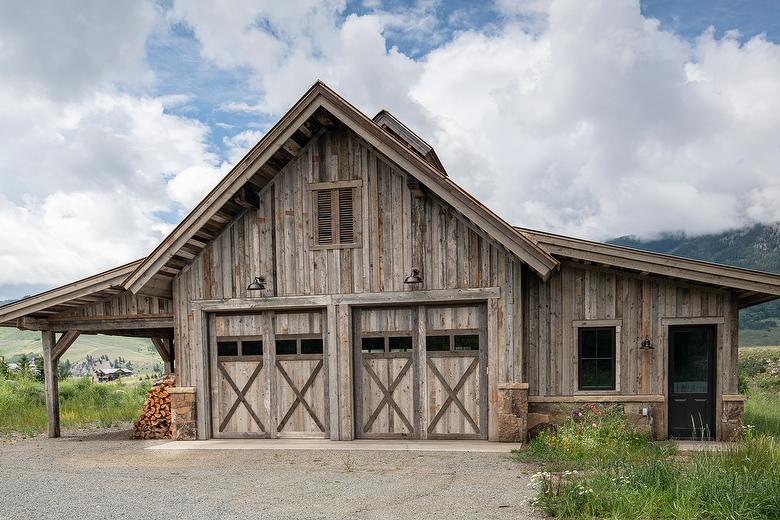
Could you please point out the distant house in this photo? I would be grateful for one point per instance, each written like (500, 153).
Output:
(111, 374)
(338, 284)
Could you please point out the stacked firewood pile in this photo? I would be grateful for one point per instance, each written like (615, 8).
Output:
(155, 420)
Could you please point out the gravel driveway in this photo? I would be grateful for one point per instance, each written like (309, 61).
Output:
(104, 475)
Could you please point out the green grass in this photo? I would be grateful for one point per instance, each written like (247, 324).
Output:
(82, 404)
(611, 471)
(759, 379)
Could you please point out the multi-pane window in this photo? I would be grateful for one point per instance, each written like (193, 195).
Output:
(239, 347)
(335, 214)
(389, 342)
(298, 345)
(443, 342)
(596, 358)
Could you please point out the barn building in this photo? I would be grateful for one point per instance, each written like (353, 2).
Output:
(338, 284)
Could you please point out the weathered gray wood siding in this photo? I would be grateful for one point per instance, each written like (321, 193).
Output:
(577, 293)
(275, 241)
(123, 304)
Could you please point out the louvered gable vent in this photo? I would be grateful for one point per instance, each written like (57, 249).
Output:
(346, 216)
(324, 217)
(335, 210)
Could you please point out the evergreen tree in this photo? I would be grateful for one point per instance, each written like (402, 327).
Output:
(63, 369)
(24, 364)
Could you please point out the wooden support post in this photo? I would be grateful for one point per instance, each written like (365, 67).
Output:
(52, 352)
(346, 426)
(52, 390)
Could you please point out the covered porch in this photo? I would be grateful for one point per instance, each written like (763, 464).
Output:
(94, 305)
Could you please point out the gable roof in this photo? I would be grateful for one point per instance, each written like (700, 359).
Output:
(69, 296)
(281, 139)
(752, 287)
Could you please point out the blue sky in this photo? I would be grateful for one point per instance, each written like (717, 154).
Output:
(179, 68)
(576, 116)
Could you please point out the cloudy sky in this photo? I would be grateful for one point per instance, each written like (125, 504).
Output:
(596, 118)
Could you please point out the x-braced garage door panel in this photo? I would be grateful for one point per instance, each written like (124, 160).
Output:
(239, 374)
(300, 379)
(385, 393)
(456, 362)
(268, 375)
(420, 372)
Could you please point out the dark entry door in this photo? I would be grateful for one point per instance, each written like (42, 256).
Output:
(692, 382)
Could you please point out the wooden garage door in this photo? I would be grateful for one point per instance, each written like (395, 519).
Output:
(386, 398)
(300, 378)
(420, 372)
(239, 374)
(268, 377)
(456, 379)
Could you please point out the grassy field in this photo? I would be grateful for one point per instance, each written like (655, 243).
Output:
(598, 466)
(759, 375)
(82, 404)
(139, 351)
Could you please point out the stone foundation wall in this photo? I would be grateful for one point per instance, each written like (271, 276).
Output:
(183, 413)
(513, 412)
(732, 417)
(545, 415)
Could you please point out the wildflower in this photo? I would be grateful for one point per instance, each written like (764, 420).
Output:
(579, 414)
(592, 406)
(600, 412)
(595, 425)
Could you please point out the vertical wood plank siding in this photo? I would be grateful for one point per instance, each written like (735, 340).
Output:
(579, 293)
(124, 304)
(276, 241)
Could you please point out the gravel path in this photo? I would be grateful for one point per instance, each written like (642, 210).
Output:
(104, 475)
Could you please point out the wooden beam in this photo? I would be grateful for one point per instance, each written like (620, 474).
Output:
(246, 198)
(357, 299)
(64, 343)
(97, 324)
(50, 382)
(162, 349)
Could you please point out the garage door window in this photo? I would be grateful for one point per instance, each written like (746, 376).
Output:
(460, 340)
(228, 347)
(298, 345)
(390, 342)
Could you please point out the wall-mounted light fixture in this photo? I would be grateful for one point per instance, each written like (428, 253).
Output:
(258, 284)
(646, 345)
(414, 277)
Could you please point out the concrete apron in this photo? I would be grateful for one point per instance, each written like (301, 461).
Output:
(464, 446)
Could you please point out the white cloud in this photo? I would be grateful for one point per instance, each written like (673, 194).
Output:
(583, 118)
(578, 117)
(87, 156)
(603, 124)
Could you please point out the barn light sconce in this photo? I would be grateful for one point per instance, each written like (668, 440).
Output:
(414, 277)
(646, 345)
(257, 285)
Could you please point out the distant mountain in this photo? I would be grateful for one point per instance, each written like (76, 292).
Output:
(753, 247)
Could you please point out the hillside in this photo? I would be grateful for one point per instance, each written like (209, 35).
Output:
(753, 247)
(138, 351)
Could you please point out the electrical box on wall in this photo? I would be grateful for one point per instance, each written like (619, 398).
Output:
(645, 412)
